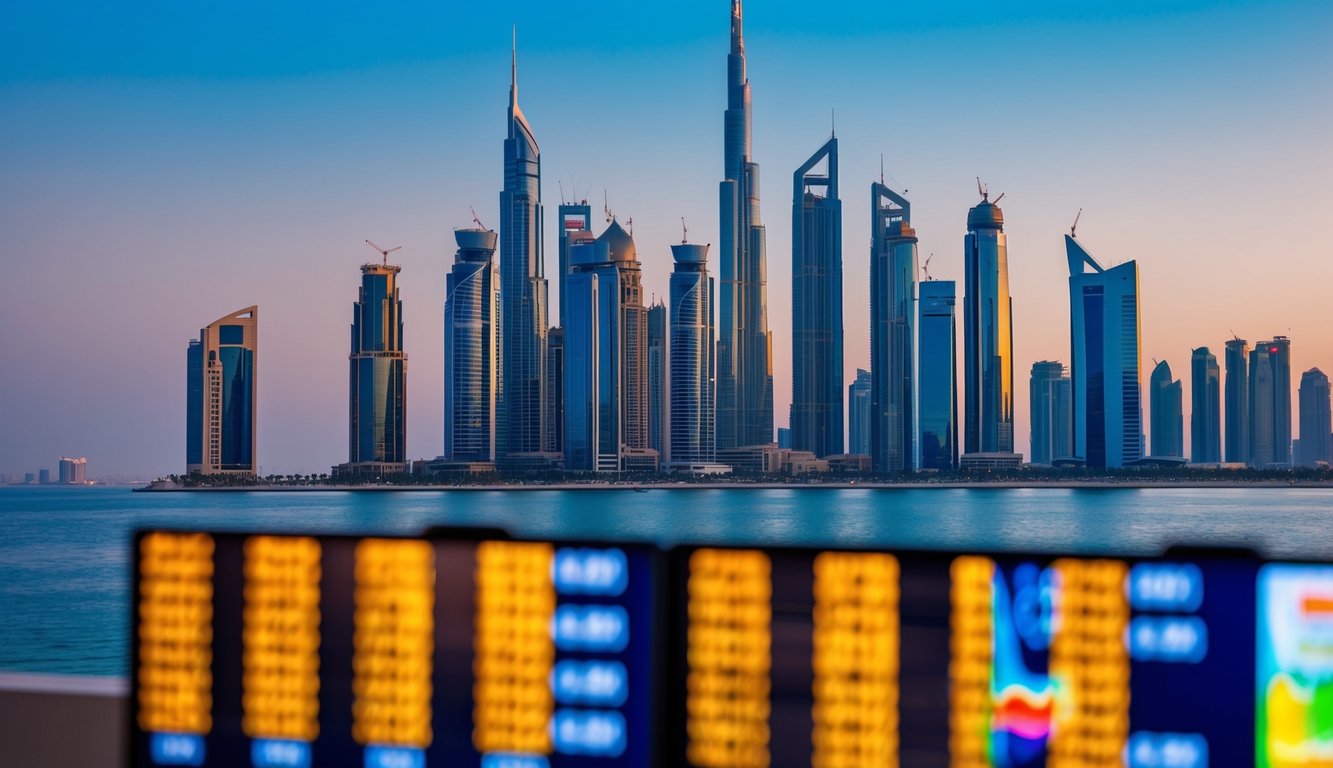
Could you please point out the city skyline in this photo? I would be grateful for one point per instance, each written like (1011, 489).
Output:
(302, 392)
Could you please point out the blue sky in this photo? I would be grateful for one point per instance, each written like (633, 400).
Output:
(162, 164)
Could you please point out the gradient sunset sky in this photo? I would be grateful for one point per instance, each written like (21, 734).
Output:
(164, 163)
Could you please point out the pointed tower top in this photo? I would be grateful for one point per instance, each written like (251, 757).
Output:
(513, 68)
(737, 33)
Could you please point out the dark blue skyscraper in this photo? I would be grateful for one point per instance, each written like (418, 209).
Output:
(574, 218)
(1238, 401)
(1205, 408)
(1270, 402)
(472, 362)
(1316, 423)
(816, 300)
(522, 286)
(1051, 411)
(893, 426)
(377, 431)
(744, 363)
(220, 396)
(690, 346)
(1167, 423)
(858, 414)
(988, 340)
(658, 383)
(937, 375)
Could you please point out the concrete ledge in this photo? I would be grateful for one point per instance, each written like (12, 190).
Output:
(63, 721)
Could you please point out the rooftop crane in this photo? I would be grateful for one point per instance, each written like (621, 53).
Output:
(1076, 218)
(925, 268)
(684, 232)
(475, 220)
(383, 252)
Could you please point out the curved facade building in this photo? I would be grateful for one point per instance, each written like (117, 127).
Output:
(816, 302)
(988, 334)
(377, 417)
(1167, 430)
(1316, 423)
(1105, 340)
(220, 396)
(690, 394)
(1237, 423)
(893, 391)
(472, 355)
(1205, 408)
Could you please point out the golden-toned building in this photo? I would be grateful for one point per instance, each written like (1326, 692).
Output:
(220, 396)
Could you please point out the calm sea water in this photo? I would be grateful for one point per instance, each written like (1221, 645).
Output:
(64, 552)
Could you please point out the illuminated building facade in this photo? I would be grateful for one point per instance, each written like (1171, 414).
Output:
(472, 362)
(988, 339)
(937, 375)
(690, 349)
(893, 267)
(220, 396)
(377, 442)
(1205, 408)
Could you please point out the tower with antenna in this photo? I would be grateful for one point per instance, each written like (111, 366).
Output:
(988, 334)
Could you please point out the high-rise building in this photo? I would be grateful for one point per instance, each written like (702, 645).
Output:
(472, 361)
(1104, 323)
(744, 347)
(690, 352)
(858, 414)
(1205, 408)
(1270, 403)
(816, 301)
(1237, 423)
(377, 418)
(554, 431)
(988, 339)
(1052, 413)
(522, 286)
(937, 375)
(574, 217)
(75, 471)
(893, 435)
(221, 376)
(1167, 423)
(659, 385)
(1316, 425)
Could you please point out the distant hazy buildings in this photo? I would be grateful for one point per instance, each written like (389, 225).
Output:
(658, 384)
(472, 361)
(1052, 413)
(816, 295)
(1270, 403)
(1205, 408)
(937, 375)
(75, 471)
(744, 347)
(522, 286)
(893, 446)
(1237, 423)
(1104, 323)
(988, 339)
(858, 414)
(692, 432)
(220, 396)
(377, 418)
(1166, 420)
(1316, 424)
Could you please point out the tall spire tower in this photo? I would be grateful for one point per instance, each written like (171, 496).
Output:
(744, 349)
(522, 286)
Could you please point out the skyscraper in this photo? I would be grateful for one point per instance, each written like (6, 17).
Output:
(1167, 430)
(472, 361)
(221, 376)
(522, 286)
(377, 431)
(1052, 421)
(1316, 425)
(744, 349)
(988, 341)
(690, 354)
(75, 471)
(858, 414)
(553, 434)
(816, 300)
(1238, 401)
(937, 375)
(574, 217)
(658, 383)
(1104, 324)
(1270, 403)
(893, 435)
(1205, 408)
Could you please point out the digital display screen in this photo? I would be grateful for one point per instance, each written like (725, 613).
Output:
(487, 652)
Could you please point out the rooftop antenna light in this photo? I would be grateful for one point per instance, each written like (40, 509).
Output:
(476, 220)
(384, 252)
(630, 222)
(1075, 226)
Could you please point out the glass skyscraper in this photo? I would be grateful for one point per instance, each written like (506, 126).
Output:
(1051, 403)
(937, 375)
(1167, 423)
(988, 340)
(893, 433)
(1205, 408)
(1270, 403)
(574, 218)
(858, 414)
(220, 396)
(816, 296)
(377, 432)
(658, 384)
(553, 434)
(744, 348)
(472, 361)
(1238, 401)
(1316, 424)
(522, 286)
(690, 354)
(1104, 325)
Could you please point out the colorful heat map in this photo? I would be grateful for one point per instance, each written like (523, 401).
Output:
(1024, 700)
(1294, 717)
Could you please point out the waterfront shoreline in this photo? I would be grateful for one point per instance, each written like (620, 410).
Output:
(729, 486)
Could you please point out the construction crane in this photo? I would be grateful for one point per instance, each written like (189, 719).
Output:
(383, 252)
(1076, 218)
(684, 232)
(475, 220)
(925, 268)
